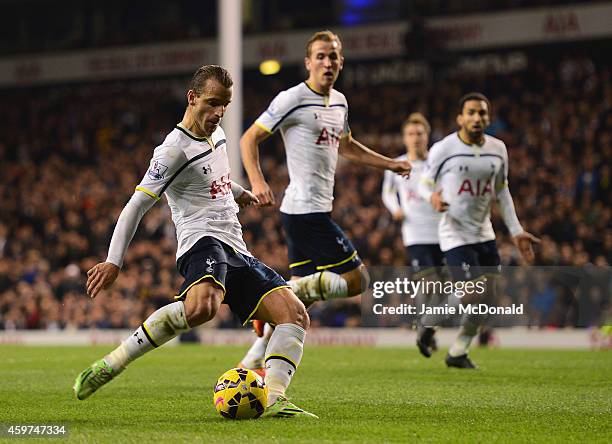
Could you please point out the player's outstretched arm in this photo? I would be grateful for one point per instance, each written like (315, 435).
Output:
(359, 153)
(101, 276)
(522, 239)
(249, 148)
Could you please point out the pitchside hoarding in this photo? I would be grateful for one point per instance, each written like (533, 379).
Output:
(474, 31)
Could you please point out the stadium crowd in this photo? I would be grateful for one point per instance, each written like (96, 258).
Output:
(71, 156)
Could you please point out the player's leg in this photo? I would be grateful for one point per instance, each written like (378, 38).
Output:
(332, 283)
(471, 262)
(322, 258)
(343, 275)
(258, 292)
(198, 301)
(470, 323)
(488, 270)
(463, 266)
(285, 348)
(255, 291)
(301, 266)
(254, 358)
(201, 304)
(427, 260)
(490, 260)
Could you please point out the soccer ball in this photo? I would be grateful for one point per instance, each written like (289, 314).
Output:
(240, 393)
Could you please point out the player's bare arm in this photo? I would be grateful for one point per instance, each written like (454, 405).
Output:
(249, 148)
(357, 152)
(101, 276)
(522, 239)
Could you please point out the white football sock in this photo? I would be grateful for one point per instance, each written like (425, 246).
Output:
(421, 300)
(434, 320)
(323, 285)
(163, 325)
(283, 356)
(468, 330)
(255, 356)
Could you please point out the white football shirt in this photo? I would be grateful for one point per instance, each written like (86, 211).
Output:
(471, 177)
(194, 173)
(420, 224)
(311, 125)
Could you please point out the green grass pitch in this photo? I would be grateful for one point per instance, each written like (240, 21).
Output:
(361, 395)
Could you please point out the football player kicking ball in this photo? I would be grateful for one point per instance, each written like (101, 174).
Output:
(467, 171)
(313, 120)
(419, 219)
(192, 169)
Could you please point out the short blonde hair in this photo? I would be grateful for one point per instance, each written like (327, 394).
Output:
(325, 36)
(417, 119)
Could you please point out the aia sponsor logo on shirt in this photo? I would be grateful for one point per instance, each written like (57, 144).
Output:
(329, 137)
(476, 188)
(220, 187)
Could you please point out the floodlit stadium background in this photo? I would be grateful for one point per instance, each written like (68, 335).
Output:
(87, 91)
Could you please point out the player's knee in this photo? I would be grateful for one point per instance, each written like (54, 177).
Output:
(295, 313)
(202, 303)
(302, 319)
(204, 311)
(286, 308)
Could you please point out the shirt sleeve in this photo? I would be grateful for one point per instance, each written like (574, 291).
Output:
(164, 168)
(346, 129)
(430, 176)
(504, 198)
(389, 192)
(501, 179)
(278, 112)
(126, 226)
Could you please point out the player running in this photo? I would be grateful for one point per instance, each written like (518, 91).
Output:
(467, 171)
(419, 219)
(191, 168)
(313, 121)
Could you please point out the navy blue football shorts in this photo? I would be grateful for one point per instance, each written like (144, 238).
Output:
(245, 280)
(316, 243)
(424, 258)
(469, 262)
